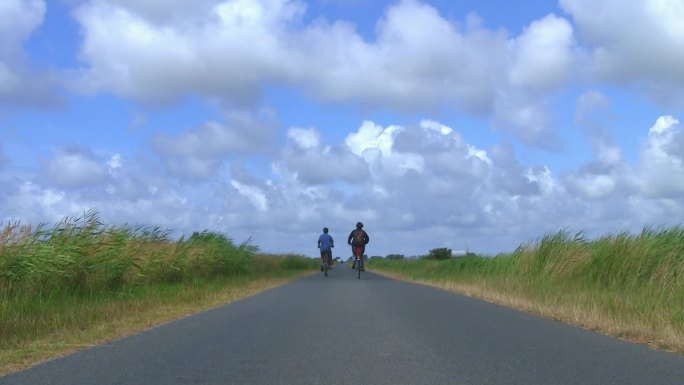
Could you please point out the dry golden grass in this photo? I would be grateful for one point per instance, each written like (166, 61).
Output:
(575, 308)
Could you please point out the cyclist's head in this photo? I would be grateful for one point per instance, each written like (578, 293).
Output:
(359, 225)
(325, 230)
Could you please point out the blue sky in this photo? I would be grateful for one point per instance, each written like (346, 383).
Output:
(478, 125)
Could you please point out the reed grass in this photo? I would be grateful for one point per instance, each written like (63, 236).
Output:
(626, 285)
(81, 282)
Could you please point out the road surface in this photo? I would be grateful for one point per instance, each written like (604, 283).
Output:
(340, 330)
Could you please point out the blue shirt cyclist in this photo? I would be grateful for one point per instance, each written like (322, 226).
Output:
(326, 243)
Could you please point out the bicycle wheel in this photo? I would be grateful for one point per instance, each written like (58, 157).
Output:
(326, 266)
(358, 268)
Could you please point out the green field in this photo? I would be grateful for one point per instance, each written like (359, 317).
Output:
(626, 285)
(82, 282)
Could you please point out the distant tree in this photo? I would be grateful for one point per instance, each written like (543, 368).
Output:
(395, 256)
(439, 253)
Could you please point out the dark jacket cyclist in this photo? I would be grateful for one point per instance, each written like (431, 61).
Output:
(358, 239)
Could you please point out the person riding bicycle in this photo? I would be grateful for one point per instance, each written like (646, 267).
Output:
(326, 243)
(358, 239)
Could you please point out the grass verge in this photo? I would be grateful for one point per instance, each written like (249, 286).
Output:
(59, 325)
(626, 286)
(82, 282)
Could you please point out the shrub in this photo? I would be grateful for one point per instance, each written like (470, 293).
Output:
(395, 256)
(439, 253)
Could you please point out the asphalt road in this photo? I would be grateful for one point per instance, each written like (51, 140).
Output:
(341, 330)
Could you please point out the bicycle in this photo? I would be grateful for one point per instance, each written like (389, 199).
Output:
(326, 267)
(358, 266)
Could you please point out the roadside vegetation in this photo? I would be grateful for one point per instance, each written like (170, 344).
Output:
(82, 282)
(629, 286)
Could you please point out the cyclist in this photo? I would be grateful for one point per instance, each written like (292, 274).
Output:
(326, 243)
(358, 239)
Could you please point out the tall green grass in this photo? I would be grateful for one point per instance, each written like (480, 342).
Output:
(82, 274)
(629, 285)
(83, 255)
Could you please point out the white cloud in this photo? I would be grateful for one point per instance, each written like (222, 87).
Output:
(507, 174)
(663, 126)
(305, 139)
(153, 55)
(198, 153)
(543, 57)
(21, 85)
(436, 126)
(312, 163)
(115, 162)
(20, 18)
(201, 49)
(662, 159)
(405, 67)
(423, 176)
(528, 118)
(372, 136)
(422, 180)
(636, 42)
(593, 186)
(253, 194)
(74, 168)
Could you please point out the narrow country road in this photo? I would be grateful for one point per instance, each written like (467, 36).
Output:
(341, 330)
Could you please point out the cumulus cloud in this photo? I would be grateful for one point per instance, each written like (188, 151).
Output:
(151, 54)
(509, 175)
(607, 175)
(420, 180)
(74, 168)
(594, 116)
(543, 57)
(528, 118)
(662, 159)
(654, 181)
(197, 153)
(649, 55)
(20, 85)
(253, 194)
(313, 163)
(304, 138)
(405, 67)
(222, 49)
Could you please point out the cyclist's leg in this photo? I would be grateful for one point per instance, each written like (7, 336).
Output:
(355, 253)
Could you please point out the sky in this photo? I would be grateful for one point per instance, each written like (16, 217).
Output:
(466, 124)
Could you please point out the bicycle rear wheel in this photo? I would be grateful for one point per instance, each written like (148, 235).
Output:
(358, 268)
